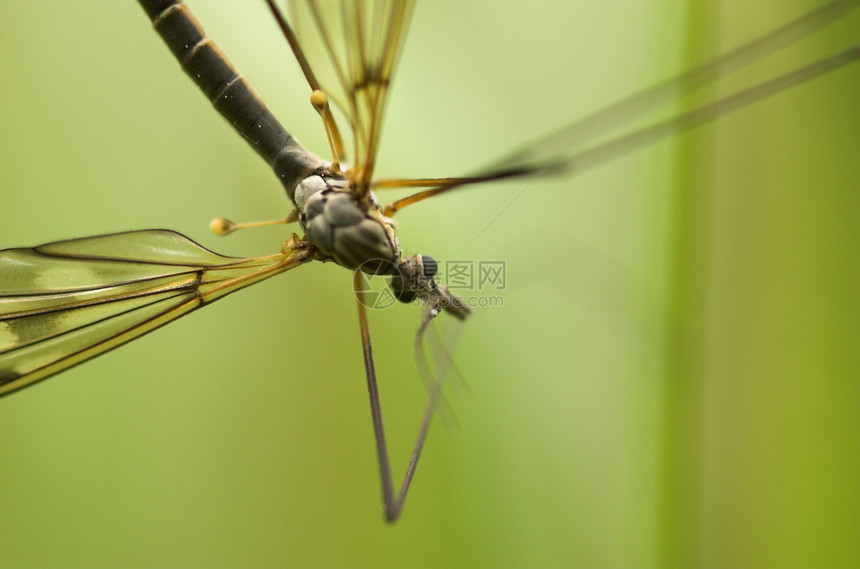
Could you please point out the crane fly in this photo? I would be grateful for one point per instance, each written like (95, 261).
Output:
(65, 302)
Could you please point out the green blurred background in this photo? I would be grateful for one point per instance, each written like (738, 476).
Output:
(672, 380)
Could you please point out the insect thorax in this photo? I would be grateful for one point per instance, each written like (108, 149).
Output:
(343, 230)
(358, 236)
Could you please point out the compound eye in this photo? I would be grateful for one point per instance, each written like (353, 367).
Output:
(430, 266)
(404, 296)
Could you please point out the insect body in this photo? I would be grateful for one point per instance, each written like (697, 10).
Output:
(341, 229)
(65, 302)
(341, 217)
(362, 238)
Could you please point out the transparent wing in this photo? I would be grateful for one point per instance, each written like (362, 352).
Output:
(352, 48)
(563, 152)
(572, 148)
(65, 302)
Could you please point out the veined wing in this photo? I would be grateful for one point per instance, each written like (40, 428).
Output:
(562, 150)
(352, 48)
(566, 150)
(68, 301)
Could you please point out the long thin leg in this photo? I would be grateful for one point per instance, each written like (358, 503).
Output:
(561, 162)
(393, 506)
